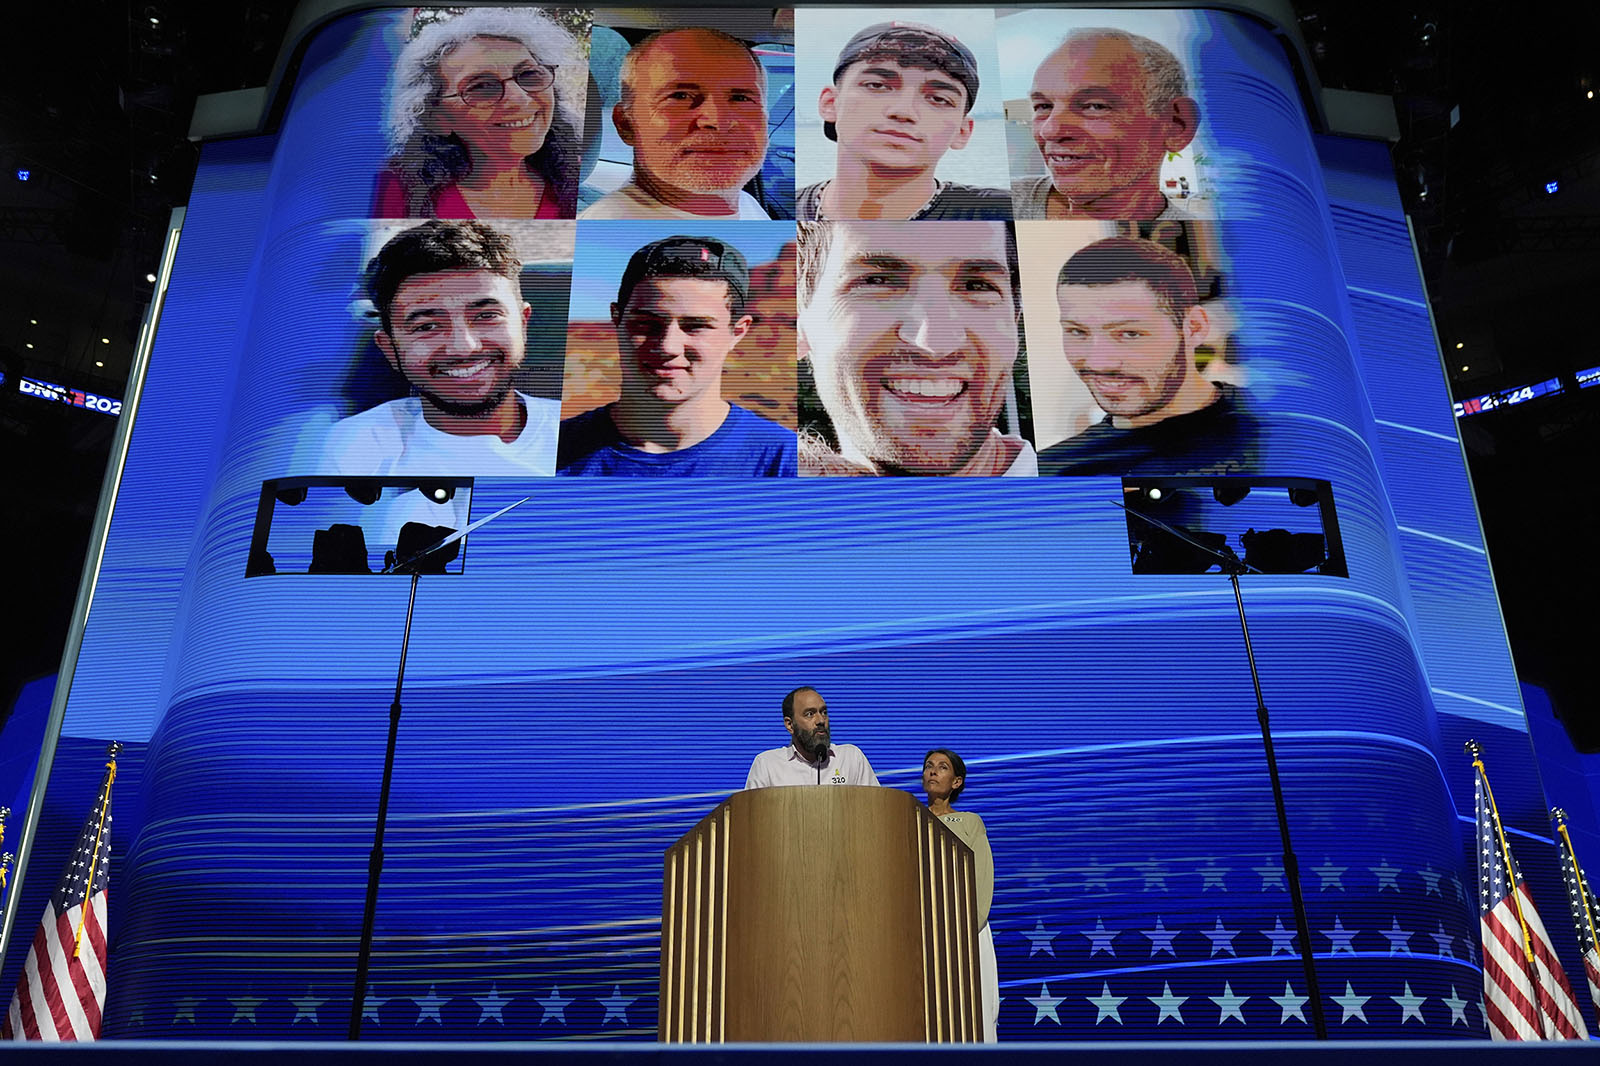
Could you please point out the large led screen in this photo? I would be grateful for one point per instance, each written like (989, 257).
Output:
(807, 348)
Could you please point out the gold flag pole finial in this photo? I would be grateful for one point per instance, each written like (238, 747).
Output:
(5, 813)
(112, 751)
(5, 868)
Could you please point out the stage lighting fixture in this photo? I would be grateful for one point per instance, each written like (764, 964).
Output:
(1303, 497)
(1158, 552)
(438, 491)
(24, 175)
(1228, 495)
(418, 537)
(363, 490)
(339, 549)
(1278, 551)
(292, 497)
(151, 278)
(1552, 187)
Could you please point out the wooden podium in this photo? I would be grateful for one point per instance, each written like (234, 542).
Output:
(812, 914)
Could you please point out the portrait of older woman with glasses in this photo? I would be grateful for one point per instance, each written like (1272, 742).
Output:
(477, 126)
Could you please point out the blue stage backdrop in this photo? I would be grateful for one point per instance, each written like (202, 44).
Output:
(615, 651)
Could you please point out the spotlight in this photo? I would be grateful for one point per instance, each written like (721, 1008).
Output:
(151, 278)
(418, 536)
(437, 491)
(364, 490)
(1277, 551)
(1302, 497)
(99, 362)
(1460, 345)
(24, 175)
(339, 549)
(33, 321)
(1228, 495)
(1589, 95)
(105, 340)
(1552, 187)
(28, 344)
(1465, 368)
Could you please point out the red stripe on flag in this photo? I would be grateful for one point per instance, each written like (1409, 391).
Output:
(1499, 1022)
(92, 936)
(30, 1024)
(1494, 973)
(49, 939)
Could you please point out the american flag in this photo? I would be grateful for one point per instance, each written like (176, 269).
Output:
(1525, 992)
(1585, 909)
(62, 989)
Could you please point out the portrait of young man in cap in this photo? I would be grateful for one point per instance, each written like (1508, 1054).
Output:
(901, 97)
(680, 312)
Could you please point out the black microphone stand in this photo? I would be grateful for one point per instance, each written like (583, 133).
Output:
(1233, 566)
(369, 914)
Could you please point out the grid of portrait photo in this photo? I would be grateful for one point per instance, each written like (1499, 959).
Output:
(739, 242)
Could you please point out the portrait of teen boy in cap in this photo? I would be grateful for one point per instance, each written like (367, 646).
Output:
(901, 97)
(680, 311)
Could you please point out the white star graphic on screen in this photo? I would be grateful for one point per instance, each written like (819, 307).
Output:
(370, 1004)
(244, 1008)
(1168, 1004)
(1441, 942)
(1155, 876)
(1339, 937)
(1410, 1006)
(1458, 1008)
(185, 1011)
(429, 1005)
(1293, 1006)
(490, 1007)
(1100, 938)
(1229, 1003)
(1354, 1005)
(1044, 1005)
(555, 1006)
(1332, 876)
(1108, 1005)
(1388, 876)
(1221, 939)
(1271, 877)
(1213, 875)
(616, 1005)
(1455, 883)
(1399, 939)
(1094, 875)
(1430, 881)
(1282, 939)
(306, 1007)
(1040, 939)
(1160, 939)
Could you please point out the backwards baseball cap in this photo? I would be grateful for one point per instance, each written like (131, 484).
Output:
(911, 44)
(688, 257)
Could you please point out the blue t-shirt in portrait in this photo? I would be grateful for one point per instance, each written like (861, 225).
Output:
(745, 445)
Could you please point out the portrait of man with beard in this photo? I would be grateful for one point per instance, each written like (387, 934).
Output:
(693, 108)
(453, 323)
(811, 757)
(1132, 326)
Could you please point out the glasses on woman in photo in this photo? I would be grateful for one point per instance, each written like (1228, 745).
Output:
(485, 90)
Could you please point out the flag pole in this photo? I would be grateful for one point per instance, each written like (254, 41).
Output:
(1476, 751)
(112, 751)
(1559, 816)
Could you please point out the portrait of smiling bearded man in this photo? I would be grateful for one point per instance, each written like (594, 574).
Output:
(453, 324)
(911, 343)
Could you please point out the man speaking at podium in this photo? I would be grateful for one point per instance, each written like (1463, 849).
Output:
(810, 759)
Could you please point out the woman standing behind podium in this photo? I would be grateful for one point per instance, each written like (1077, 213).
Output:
(944, 778)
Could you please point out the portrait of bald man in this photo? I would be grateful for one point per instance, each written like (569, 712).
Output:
(693, 108)
(1106, 107)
